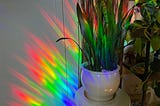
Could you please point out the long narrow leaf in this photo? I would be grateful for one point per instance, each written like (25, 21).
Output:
(83, 51)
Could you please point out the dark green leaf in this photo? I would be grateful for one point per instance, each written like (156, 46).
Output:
(138, 45)
(155, 42)
(158, 16)
(61, 39)
(138, 24)
(148, 10)
(83, 51)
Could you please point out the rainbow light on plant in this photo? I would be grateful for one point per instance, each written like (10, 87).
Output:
(46, 81)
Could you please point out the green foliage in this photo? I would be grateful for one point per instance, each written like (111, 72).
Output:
(149, 27)
(103, 25)
(158, 16)
(155, 42)
(138, 45)
(146, 34)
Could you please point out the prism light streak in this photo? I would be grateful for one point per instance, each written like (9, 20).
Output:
(58, 27)
(23, 95)
(71, 14)
(45, 78)
(46, 81)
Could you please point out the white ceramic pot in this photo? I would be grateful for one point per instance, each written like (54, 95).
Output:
(100, 86)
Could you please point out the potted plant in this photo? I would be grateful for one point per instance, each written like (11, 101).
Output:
(103, 25)
(146, 35)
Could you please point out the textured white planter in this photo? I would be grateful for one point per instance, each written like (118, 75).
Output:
(100, 86)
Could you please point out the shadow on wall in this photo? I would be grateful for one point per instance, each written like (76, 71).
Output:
(49, 78)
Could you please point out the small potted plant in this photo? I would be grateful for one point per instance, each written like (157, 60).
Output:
(103, 25)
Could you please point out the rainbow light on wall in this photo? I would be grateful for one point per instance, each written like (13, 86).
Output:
(46, 81)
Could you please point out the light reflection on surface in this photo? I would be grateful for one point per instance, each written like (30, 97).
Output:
(46, 81)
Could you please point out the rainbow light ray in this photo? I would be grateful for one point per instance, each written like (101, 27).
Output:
(46, 81)
(57, 25)
(46, 77)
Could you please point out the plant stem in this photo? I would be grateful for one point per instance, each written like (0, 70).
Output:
(146, 72)
(143, 94)
(147, 59)
(121, 60)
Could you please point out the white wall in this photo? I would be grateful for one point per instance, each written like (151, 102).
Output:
(17, 17)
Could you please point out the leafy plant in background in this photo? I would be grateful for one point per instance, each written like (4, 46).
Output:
(146, 35)
(103, 25)
(146, 32)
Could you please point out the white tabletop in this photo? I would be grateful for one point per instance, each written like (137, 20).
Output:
(121, 99)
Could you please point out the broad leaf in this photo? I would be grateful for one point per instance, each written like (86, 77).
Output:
(155, 42)
(138, 24)
(148, 10)
(158, 16)
(138, 45)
